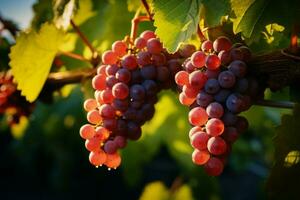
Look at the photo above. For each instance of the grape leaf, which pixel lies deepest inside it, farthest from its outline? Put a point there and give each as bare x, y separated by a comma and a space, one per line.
42, 12
212, 18
31, 58
175, 21
253, 15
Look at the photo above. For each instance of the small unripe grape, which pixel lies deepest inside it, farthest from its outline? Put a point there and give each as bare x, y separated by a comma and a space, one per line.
87, 131
198, 116
198, 59
200, 157
214, 166
214, 127
98, 157
109, 58
90, 104
119, 47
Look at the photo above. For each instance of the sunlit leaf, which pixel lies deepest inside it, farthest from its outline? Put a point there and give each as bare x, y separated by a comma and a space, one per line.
31, 58
155, 190
175, 21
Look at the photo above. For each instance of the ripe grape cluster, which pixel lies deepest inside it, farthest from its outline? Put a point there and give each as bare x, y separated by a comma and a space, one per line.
11, 102
126, 88
216, 87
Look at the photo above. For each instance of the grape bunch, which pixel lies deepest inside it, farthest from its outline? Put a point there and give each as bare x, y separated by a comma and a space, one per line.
12, 104
216, 85
126, 88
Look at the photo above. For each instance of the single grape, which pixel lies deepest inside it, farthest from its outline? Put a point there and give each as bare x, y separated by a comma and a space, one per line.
198, 116
194, 130
99, 82
200, 157
226, 79
189, 67
154, 46
234, 103
207, 46
119, 47
109, 58
123, 75
92, 144
129, 62
238, 68
106, 96
246, 53
224, 57
94, 117
214, 166
216, 146
140, 43
182, 78
212, 62
136, 77
147, 35
198, 59
214, 127
120, 91
137, 92
199, 140
212, 86
107, 111
111, 81
90, 104
203, 99
110, 147
101, 69
111, 69
197, 79
87, 131
113, 160
101, 134
184, 100
97, 158
222, 43
215, 110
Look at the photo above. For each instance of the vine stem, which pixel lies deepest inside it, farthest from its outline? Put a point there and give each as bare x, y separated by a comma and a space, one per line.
147, 8
74, 56
275, 104
200, 34
134, 24
85, 41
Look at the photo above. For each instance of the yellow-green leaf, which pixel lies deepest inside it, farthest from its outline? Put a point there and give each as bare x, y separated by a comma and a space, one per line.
31, 58
175, 21
155, 190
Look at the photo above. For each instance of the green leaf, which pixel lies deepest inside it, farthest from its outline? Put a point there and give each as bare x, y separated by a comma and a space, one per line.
214, 10
63, 12
155, 190
175, 21
31, 58
133, 5
253, 15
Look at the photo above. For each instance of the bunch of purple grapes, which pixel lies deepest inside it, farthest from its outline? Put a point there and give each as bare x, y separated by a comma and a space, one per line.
126, 88
11, 102
216, 87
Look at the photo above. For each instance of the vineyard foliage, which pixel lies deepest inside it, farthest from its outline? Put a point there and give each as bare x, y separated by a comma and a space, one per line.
264, 25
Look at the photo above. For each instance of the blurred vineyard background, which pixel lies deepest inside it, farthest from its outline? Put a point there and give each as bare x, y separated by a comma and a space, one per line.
43, 157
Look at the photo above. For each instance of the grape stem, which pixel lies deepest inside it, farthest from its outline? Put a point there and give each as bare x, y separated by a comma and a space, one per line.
74, 56
95, 55
147, 8
275, 104
200, 34
134, 24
